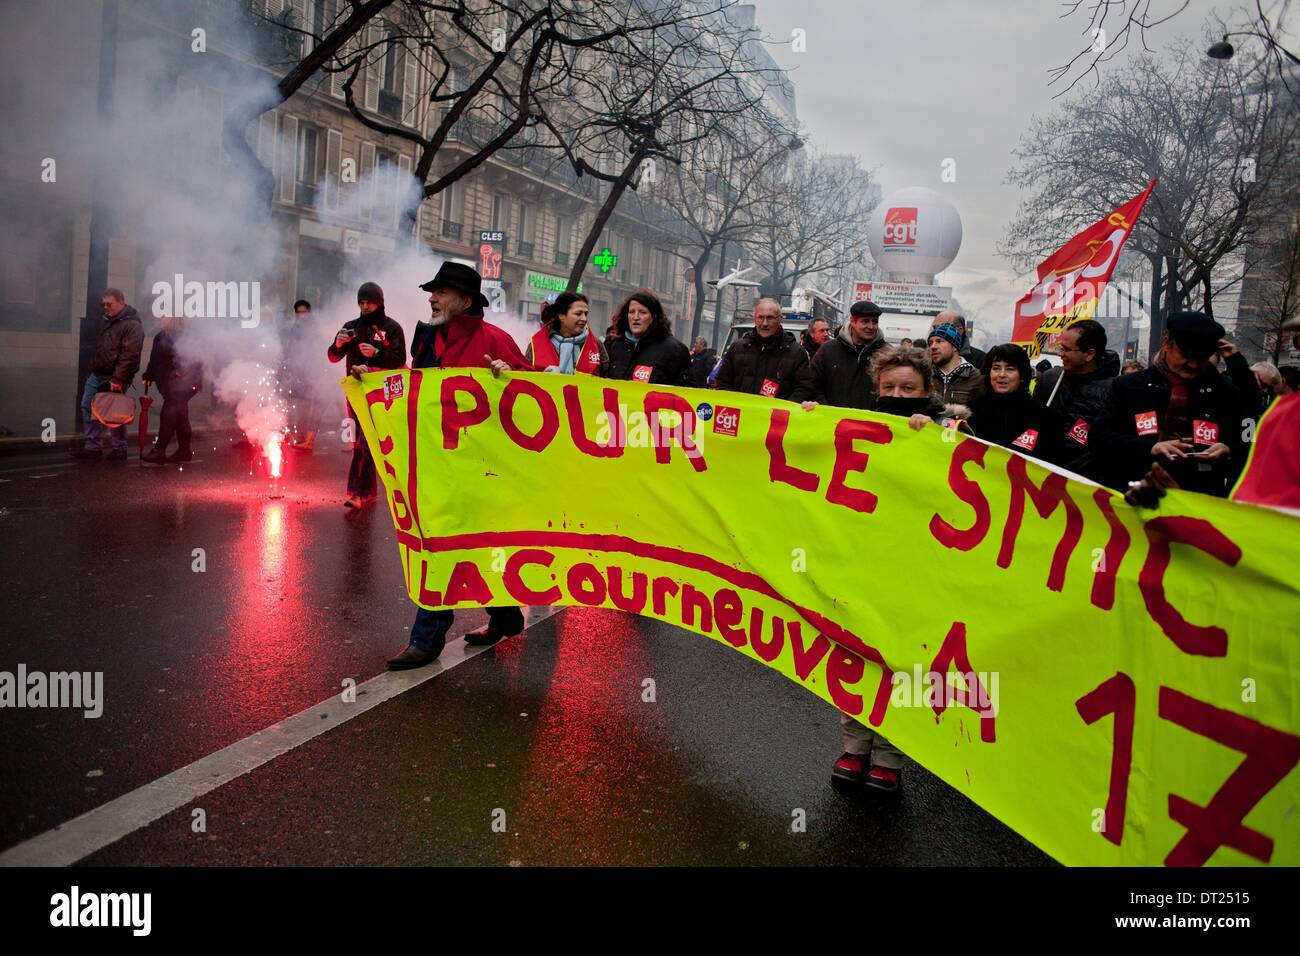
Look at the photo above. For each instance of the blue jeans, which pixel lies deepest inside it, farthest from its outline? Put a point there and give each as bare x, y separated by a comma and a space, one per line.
94, 427
429, 632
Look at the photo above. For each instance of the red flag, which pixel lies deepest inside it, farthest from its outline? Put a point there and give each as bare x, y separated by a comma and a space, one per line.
1071, 279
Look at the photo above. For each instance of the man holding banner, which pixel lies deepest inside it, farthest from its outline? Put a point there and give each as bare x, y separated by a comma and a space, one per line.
457, 336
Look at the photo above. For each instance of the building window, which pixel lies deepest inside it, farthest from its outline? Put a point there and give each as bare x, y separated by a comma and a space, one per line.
390, 97
307, 173
500, 213
385, 184
563, 240
527, 226
451, 208
318, 21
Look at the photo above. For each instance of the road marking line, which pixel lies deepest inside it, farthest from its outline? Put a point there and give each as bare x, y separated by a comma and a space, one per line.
53, 474
110, 822
18, 471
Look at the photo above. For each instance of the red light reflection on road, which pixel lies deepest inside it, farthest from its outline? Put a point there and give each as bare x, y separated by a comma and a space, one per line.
580, 750
268, 620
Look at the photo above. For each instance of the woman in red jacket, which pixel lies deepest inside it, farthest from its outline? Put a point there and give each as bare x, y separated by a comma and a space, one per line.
564, 344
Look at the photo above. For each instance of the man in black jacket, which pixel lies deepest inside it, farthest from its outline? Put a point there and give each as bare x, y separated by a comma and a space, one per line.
1078, 390
703, 359
1180, 412
767, 360
112, 367
815, 336
369, 342
841, 368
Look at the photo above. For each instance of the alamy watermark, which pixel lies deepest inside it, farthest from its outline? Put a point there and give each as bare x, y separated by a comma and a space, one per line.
209, 300
79, 690
976, 690
76, 909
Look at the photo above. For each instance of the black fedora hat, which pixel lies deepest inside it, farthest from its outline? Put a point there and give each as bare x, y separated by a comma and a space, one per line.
462, 278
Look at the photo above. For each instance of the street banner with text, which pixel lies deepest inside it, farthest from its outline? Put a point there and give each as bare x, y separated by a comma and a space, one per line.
1117, 685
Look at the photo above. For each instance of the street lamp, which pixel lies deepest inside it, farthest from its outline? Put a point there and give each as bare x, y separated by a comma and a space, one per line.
1221, 51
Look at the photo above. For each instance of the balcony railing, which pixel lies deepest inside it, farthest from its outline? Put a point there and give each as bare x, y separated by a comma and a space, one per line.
525, 249
451, 230
561, 258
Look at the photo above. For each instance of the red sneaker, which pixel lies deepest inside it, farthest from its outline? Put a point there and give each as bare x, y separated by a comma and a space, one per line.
883, 778
850, 768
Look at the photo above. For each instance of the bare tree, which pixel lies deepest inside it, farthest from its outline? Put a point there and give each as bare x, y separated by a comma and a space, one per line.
1214, 137
487, 72
1113, 23
647, 100
815, 215
715, 193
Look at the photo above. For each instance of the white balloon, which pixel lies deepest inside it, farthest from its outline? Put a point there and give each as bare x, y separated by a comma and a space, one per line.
914, 234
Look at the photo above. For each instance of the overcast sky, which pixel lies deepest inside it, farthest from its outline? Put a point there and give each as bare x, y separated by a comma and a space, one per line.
904, 84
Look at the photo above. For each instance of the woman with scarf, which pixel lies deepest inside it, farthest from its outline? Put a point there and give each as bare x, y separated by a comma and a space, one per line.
370, 342
564, 344
1005, 414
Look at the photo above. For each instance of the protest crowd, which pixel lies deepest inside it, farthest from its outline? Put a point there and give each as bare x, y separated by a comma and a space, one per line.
1187, 420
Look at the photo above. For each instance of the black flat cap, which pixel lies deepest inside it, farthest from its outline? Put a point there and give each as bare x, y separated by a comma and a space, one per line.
1195, 333
866, 308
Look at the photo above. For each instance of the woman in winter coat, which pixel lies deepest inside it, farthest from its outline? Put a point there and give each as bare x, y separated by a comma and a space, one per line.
564, 343
370, 342
1007, 415
178, 379
646, 350
904, 386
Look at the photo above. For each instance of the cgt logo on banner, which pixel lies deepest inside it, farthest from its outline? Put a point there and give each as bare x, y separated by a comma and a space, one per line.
1145, 686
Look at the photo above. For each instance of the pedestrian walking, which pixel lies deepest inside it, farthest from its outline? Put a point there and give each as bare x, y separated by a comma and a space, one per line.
112, 367
1078, 390
903, 384
370, 342
298, 356
179, 378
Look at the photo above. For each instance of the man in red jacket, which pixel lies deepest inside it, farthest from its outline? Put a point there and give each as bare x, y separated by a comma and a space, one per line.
456, 336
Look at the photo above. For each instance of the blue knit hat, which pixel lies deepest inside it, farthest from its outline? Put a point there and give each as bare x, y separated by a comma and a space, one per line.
948, 332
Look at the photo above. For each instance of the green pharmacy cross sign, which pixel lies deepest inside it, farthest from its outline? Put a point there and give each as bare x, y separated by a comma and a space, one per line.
605, 260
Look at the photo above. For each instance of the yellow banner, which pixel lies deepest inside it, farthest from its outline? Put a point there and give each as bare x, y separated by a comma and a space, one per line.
1117, 685
1054, 325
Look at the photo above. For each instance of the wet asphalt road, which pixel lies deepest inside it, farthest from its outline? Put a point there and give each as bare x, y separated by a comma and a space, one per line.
540, 751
